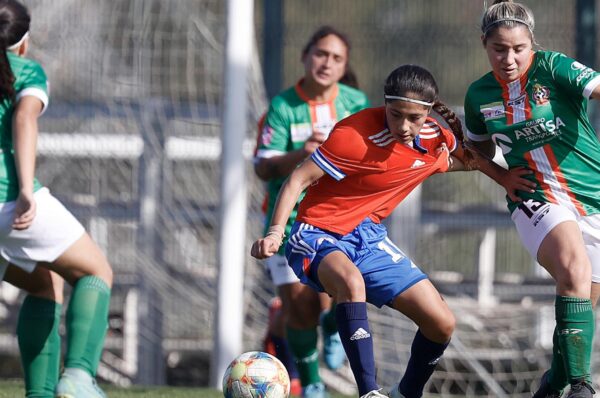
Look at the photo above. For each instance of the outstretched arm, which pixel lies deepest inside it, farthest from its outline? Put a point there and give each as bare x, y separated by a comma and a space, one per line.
472, 158
298, 181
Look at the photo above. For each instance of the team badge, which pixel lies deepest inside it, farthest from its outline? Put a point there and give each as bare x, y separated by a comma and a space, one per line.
267, 135
541, 94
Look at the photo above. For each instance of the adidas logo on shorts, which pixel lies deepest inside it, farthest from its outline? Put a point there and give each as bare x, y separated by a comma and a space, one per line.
360, 334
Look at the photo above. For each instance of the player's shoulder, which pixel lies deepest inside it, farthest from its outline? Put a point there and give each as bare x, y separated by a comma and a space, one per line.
364, 119
22, 64
288, 98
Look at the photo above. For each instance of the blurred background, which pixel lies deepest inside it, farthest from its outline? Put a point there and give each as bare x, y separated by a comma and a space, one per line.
131, 144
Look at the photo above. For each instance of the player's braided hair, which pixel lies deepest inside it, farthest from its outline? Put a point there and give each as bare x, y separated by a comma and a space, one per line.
456, 126
14, 24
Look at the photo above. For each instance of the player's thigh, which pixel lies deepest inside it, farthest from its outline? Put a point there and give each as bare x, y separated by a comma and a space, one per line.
82, 258
424, 305
304, 306
41, 282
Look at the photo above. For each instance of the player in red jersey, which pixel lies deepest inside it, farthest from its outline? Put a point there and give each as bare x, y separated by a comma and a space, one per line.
369, 163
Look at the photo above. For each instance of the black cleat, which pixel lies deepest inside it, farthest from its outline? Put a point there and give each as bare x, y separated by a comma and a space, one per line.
581, 389
545, 391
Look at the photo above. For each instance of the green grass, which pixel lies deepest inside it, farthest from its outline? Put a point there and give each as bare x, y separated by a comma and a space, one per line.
14, 389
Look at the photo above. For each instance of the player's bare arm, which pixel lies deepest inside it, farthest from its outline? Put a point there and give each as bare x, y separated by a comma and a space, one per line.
298, 181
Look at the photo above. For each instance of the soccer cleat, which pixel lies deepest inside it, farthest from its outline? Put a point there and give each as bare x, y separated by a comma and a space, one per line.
315, 390
375, 394
545, 391
333, 350
581, 389
395, 392
77, 383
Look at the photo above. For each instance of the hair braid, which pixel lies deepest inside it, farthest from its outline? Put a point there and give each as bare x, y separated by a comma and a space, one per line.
455, 125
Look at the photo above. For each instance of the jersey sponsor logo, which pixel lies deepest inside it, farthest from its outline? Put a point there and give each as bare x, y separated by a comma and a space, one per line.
494, 110
518, 102
324, 126
563, 332
541, 94
535, 132
584, 71
503, 142
300, 132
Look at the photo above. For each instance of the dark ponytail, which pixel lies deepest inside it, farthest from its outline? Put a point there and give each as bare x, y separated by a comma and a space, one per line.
14, 24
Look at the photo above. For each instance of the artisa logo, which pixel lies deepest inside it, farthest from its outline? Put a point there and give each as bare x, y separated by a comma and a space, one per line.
535, 131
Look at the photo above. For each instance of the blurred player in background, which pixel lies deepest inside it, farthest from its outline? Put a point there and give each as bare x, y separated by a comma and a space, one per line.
369, 164
297, 122
533, 105
40, 239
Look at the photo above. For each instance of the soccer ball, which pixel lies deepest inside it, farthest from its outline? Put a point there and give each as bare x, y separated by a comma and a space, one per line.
256, 374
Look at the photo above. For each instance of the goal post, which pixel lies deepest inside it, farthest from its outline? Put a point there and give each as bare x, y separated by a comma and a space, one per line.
232, 216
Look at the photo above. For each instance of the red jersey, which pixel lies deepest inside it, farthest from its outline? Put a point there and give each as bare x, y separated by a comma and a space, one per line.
369, 172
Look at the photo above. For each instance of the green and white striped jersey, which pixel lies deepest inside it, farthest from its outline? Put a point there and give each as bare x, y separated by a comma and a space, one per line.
540, 122
290, 121
30, 80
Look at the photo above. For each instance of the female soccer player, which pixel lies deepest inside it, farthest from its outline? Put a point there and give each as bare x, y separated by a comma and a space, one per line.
40, 239
533, 106
297, 122
369, 164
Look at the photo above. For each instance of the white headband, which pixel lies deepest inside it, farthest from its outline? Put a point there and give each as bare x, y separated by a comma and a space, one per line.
394, 97
17, 44
488, 27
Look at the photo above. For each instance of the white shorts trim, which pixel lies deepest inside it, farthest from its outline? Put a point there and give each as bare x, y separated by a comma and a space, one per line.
53, 231
537, 219
281, 273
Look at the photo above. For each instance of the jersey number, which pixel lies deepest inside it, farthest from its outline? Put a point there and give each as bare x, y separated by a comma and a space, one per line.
392, 250
530, 206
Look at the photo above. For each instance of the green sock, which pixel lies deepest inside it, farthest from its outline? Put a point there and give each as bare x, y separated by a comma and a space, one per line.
87, 322
557, 376
39, 344
303, 343
575, 326
328, 321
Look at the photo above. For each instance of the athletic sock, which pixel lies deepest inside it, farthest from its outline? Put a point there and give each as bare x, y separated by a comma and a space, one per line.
87, 322
353, 327
575, 325
303, 344
284, 354
424, 356
39, 344
557, 376
328, 321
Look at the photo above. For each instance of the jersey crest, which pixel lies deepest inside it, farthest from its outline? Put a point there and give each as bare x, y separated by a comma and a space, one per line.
541, 94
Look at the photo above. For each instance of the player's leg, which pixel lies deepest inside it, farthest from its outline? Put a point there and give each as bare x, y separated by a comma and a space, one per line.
86, 268
302, 336
423, 304
344, 282
563, 254
333, 350
552, 235
37, 328
276, 338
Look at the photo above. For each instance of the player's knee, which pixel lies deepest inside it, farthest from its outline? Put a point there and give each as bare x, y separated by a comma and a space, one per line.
351, 289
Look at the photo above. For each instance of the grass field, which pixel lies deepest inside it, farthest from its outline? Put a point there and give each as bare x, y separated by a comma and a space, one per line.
14, 389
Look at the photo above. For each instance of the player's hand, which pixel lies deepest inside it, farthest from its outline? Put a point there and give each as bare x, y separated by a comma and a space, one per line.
265, 247
25, 210
514, 180
443, 154
314, 141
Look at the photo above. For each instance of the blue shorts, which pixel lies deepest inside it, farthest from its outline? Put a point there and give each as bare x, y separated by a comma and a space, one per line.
387, 271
